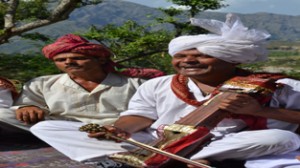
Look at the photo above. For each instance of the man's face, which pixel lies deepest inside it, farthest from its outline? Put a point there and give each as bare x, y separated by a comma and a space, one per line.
73, 62
192, 63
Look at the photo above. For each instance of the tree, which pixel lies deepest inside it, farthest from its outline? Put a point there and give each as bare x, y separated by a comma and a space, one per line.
146, 45
19, 16
196, 6
133, 44
189, 9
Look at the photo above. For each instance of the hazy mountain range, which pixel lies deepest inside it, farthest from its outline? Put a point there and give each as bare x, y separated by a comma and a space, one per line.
282, 27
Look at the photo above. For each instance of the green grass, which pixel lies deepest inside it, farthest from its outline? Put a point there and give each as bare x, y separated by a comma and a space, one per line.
287, 62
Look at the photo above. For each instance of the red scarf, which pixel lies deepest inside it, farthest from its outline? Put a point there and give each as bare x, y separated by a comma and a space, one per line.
181, 90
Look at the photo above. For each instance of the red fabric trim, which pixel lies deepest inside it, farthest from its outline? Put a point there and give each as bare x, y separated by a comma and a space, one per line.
181, 90
178, 146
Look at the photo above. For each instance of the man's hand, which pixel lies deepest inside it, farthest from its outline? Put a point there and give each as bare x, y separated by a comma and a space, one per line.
110, 130
30, 114
241, 104
105, 132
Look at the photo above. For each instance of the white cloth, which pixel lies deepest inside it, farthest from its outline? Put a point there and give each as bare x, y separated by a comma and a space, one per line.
155, 99
250, 144
65, 137
287, 160
231, 41
6, 99
64, 99
275, 161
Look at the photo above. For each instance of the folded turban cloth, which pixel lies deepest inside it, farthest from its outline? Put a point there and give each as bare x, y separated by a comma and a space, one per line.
230, 41
71, 43
75, 44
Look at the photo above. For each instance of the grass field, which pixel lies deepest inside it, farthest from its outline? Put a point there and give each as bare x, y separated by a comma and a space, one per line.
284, 57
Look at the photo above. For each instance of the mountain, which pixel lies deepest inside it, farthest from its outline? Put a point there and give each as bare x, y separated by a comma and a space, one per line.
282, 27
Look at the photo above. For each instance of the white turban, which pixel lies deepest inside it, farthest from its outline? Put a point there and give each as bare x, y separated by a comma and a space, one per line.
231, 41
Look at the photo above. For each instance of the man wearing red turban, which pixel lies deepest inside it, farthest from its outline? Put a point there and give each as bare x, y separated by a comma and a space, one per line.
76, 44
89, 90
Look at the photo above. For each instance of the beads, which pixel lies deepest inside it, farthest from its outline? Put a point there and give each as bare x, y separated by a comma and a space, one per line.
90, 128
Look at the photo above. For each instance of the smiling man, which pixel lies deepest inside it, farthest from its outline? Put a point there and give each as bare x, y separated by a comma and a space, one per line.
88, 90
257, 125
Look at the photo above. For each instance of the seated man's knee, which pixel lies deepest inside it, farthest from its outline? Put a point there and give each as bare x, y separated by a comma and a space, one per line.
275, 138
39, 126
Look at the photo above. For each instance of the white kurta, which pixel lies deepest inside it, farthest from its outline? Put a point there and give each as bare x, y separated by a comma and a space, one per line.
64, 99
155, 99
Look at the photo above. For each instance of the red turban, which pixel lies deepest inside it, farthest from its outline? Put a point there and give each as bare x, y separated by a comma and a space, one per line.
75, 44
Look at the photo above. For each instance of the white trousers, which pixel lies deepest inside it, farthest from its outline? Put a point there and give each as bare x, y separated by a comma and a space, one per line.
9, 122
288, 160
250, 144
65, 137
261, 149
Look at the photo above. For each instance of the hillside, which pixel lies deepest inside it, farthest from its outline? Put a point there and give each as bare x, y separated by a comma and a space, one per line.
282, 27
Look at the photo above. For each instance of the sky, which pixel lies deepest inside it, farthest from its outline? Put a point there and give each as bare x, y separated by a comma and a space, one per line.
285, 7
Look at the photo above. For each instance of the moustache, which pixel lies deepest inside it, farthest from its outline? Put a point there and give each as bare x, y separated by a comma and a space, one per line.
72, 66
194, 65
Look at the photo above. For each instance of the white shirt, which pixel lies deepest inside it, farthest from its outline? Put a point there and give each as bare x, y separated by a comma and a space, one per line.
60, 96
155, 99
6, 99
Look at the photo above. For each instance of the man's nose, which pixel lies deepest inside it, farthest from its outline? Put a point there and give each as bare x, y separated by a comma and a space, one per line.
69, 60
190, 58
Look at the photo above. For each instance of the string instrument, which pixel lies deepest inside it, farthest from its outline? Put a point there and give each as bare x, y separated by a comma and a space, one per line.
192, 132
179, 139
136, 162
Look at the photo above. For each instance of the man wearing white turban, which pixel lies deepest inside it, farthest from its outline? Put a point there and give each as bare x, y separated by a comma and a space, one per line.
231, 41
257, 125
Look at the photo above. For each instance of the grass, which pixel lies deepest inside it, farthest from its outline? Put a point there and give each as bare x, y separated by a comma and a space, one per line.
287, 62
